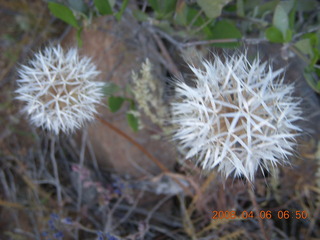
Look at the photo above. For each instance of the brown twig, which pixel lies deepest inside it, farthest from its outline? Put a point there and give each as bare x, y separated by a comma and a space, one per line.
202, 190
171, 65
135, 143
8, 204
181, 45
257, 211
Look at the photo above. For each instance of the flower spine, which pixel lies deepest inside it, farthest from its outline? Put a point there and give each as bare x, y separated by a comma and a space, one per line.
59, 90
238, 117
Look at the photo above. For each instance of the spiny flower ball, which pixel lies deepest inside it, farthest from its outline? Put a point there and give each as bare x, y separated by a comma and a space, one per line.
238, 117
59, 90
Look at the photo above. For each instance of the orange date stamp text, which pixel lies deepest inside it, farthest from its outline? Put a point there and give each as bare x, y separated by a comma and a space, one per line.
268, 214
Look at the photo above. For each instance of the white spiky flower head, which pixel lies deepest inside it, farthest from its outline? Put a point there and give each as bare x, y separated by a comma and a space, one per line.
59, 89
238, 117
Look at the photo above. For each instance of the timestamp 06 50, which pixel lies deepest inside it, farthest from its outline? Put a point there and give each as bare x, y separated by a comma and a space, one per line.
281, 214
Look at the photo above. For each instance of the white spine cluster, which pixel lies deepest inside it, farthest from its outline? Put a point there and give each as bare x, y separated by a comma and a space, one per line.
238, 117
59, 90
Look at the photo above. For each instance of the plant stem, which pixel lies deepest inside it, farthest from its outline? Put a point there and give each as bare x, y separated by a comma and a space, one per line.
171, 65
257, 210
55, 170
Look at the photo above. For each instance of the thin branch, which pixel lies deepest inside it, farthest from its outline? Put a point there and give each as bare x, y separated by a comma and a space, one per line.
313, 29
135, 143
55, 170
207, 42
129, 211
261, 22
94, 160
158, 205
81, 161
257, 211
170, 64
194, 19
181, 45
204, 187
11, 205
201, 27
108, 225
160, 217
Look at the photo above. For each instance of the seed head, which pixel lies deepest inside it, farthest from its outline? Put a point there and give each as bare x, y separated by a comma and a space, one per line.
238, 117
59, 90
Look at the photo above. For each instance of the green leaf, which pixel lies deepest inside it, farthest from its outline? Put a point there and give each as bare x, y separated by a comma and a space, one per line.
140, 16
62, 12
166, 26
288, 36
133, 122
281, 19
310, 77
181, 15
123, 7
115, 103
287, 5
197, 21
314, 39
240, 8
78, 37
163, 8
211, 8
317, 39
292, 16
273, 34
110, 89
132, 104
262, 8
112, 3
78, 5
103, 7
225, 29
305, 47
154, 5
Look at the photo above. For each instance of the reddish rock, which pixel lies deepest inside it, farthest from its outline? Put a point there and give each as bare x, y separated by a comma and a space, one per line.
118, 49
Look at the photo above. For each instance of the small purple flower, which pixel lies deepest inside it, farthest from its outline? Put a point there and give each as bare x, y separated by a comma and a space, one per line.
58, 235
110, 237
51, 224
100, 235
118, 186
54, 230
67, 220
54, 216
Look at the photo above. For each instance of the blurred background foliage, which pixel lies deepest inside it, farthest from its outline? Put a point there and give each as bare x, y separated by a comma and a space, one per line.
223, 23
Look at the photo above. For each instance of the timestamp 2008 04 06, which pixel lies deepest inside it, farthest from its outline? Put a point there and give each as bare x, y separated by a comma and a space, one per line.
268, 214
